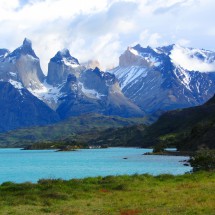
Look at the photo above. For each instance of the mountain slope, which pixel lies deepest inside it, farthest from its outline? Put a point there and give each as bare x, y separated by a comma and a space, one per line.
128, 136
147, 82
95, 92
188, 129
166, 78
69, 89
19, 108
79, 128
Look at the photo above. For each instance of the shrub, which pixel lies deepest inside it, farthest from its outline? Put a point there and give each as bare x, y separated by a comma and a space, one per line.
160, 147
203, 160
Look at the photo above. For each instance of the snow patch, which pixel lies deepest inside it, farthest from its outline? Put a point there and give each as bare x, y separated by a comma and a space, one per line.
16, 84
133, 51
4, 55
67, 63
130, 74
153, 61
90, 93
64, 51
198, 87
13, 74
183, 76
186, 58
47, 92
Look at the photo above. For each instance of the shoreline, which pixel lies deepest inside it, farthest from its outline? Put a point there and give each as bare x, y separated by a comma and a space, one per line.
171, 153
100, 177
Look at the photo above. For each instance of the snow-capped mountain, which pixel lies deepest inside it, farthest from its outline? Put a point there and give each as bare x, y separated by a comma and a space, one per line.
94, 91
69, 88
60, 66
76, 89
21, 67
147, 80
167, 77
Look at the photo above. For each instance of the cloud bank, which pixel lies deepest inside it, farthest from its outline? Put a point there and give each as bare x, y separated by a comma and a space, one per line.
102, 29
186, 59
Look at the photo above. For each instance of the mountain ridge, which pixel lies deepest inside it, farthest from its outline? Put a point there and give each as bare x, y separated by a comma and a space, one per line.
170, 83
148, 81
65, 97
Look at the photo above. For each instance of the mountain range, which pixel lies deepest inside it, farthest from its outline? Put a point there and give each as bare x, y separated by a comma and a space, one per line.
166, 78
147, 82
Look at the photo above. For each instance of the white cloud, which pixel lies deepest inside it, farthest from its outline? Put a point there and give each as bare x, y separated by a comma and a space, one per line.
102, 29
152, 39
183, 42
184, 58
7, 8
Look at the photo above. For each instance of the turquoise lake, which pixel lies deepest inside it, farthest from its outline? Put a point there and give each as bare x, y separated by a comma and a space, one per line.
21, 165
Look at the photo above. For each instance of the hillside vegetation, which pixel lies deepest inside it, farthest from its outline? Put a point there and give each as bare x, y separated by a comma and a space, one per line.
187, 129
126, 136
79, 129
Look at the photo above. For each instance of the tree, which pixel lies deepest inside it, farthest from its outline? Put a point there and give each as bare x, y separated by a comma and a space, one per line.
160, 147
203, 160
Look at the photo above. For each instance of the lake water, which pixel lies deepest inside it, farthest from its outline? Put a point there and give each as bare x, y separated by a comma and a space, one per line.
20, 165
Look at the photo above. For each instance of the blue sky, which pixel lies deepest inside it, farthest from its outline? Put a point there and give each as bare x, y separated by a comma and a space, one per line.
23, 2
102, 29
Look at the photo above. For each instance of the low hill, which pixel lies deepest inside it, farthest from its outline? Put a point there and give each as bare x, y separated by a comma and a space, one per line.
129, 136
187, 129
81, 128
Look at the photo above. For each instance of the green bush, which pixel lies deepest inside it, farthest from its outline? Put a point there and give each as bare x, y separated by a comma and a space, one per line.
160, 147
203, 160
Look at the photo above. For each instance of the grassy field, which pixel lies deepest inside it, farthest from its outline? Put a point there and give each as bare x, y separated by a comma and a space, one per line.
123, 195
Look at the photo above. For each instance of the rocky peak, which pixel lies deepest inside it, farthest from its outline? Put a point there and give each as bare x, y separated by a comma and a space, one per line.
95, 79
22, 66
131, 57
144, 57
96, 71
25, 49
110, 79
62, 65
146, 50
4, 53
166, 49
64, 57
27, 43
70, 88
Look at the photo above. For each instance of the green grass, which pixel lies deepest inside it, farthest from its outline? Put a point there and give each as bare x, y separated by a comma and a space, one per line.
125, 195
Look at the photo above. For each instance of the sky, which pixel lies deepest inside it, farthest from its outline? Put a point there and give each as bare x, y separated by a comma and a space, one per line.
103, 29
